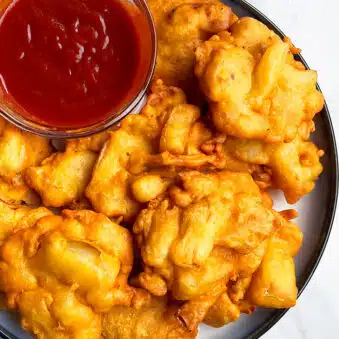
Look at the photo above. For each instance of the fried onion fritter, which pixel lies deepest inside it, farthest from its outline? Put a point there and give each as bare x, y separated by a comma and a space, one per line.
16, 191
224, 209
222, 312
295, 166
176, 131
205, 239
247, 264
265, 277
192, 237
255, 87
181, 140
64, 270
19, 150
155, 321
161, 8
182, 27
58, 315
16, 217
149, 186
265, 102
62, 178
274, 284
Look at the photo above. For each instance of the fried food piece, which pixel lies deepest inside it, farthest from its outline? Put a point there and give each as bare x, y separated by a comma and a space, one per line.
253, 35
176, 131
64, 270
57, 316
182, 27
157, 320
199, 286
274, 283
191, 282
255, 87
295, 165
271, 129
257, 283
16, 217
192, 238
229, 162
206, 239
193, 312
18, 150
222, 312
223, 209
230, 304
225, 311
161, 8
180, 142
62, 178
149, 186
109, 188
16, 191
247, 264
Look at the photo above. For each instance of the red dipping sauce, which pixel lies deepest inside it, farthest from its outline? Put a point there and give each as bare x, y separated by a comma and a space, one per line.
72, 63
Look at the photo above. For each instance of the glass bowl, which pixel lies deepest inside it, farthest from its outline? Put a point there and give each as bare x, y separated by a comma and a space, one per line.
10, 113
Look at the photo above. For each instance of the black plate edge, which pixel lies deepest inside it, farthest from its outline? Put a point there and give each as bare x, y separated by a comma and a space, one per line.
329, 219
333, 193
4, 334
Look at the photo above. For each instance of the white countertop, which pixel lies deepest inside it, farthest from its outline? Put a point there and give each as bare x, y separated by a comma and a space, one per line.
313, 26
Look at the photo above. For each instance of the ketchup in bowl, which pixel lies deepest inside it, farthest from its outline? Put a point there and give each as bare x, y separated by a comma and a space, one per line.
72, 63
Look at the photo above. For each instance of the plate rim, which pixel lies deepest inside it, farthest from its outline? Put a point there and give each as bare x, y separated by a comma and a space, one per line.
331, 211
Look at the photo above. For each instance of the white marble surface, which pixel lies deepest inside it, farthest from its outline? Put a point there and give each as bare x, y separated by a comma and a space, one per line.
314, 27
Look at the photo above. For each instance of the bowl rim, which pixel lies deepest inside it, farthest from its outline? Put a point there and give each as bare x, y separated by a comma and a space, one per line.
329, 219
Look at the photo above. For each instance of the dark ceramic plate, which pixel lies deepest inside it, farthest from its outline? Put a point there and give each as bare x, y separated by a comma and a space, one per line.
316, 217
